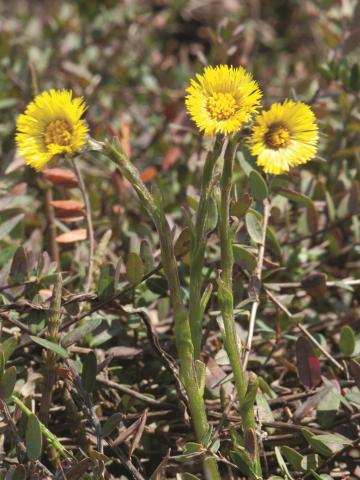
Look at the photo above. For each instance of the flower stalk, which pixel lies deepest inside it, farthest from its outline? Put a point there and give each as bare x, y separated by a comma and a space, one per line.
225, 295
198, 246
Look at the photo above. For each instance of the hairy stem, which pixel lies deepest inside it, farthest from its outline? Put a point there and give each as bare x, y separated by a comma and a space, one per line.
198, 247
226, 301
89, 225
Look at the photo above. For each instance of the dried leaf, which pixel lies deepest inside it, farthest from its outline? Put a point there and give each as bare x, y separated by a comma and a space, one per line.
72, 205
61, 176
72, 236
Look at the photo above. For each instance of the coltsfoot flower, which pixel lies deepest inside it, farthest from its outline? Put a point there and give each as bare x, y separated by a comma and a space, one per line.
284, 136
222, 99
51, 126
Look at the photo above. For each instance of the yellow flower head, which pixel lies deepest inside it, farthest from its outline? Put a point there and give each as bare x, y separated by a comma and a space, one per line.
51, 126
284, 136
222, 99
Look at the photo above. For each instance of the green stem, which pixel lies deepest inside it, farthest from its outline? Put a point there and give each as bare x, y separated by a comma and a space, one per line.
226, 294
198, 247
51, 438
184, 343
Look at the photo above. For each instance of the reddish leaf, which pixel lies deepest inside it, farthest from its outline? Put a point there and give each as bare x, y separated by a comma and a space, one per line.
148, 174
308, 363
73, 205
69, 216
61, 176
171, 157
72, 236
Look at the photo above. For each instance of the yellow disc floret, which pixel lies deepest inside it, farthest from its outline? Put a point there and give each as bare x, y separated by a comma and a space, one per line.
58, 132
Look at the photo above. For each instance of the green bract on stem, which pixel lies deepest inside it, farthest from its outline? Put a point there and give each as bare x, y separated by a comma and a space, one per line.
245, 390
191, 372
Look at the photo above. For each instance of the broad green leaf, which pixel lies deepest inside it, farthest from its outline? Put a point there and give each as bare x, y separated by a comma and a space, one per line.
309, 462
294, 196
7, 382
264, 411
347, 340
89, 371
8, 347
54, 347
183, 243
134, 268
33, 438
293, 457
105, 285
258, 186
281, 463
244, 257
328, 408
253, 227
7, 226
80, 332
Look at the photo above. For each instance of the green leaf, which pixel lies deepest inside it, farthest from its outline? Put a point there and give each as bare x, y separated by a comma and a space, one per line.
293, 457
54, 347
183, 243
347, 340
273, 242
253, 227
134, 268
7, 382
258, 186
89, 372
264, 410
294, 196
281, 463
241, 206
105, 285
310, 461
80, 332
328, 407
8, 347
33, 438
111, 423
244, 257
190, 476
7, 226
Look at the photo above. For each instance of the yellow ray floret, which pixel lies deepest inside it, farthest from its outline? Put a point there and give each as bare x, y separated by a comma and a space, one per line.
222, 99
51, 126
284, 136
